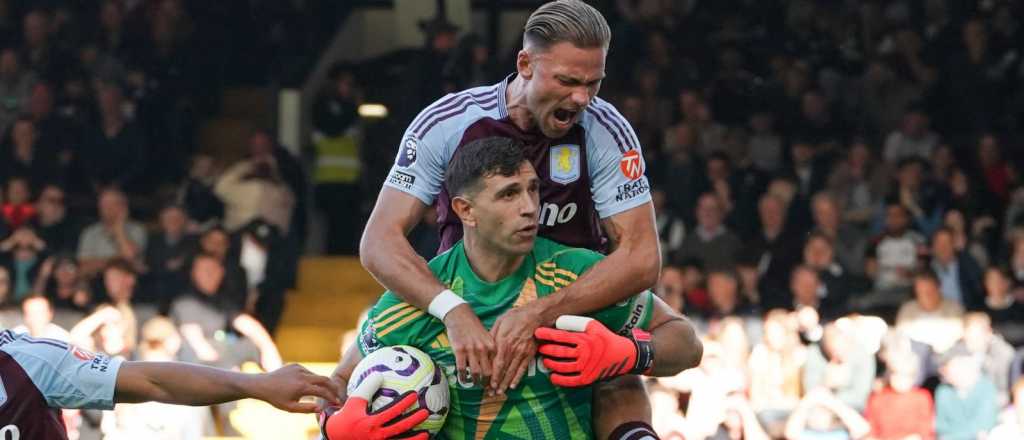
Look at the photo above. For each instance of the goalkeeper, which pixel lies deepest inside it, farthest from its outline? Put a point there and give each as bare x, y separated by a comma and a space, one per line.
501, 264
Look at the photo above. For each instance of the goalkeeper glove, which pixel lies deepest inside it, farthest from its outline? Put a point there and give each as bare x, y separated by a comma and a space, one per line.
581, 351
354, 422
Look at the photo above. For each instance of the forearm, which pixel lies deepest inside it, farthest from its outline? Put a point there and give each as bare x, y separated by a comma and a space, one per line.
676, 348
855, 424
624, 273
796, 423
180, 384
252, 329
392, 261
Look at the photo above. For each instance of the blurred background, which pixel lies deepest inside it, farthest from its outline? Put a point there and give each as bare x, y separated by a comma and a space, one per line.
838, 187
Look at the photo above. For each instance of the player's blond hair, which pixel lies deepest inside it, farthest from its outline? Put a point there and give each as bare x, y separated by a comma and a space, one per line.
571, 21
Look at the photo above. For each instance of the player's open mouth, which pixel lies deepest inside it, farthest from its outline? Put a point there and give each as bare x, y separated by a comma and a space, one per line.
564, 117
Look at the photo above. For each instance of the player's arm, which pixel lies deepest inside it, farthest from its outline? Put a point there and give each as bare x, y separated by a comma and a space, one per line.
582, 350
187, 384
385, 252
632, 267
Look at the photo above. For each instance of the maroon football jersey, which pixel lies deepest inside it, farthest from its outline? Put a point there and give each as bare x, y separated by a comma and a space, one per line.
593, 172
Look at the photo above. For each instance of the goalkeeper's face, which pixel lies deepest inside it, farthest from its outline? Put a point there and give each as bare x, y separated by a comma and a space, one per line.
502, 215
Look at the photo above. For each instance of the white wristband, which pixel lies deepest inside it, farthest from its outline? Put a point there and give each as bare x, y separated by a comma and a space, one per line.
443, 303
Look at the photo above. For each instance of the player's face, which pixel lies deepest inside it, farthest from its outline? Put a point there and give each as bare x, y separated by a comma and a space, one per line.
506, 210
561, 83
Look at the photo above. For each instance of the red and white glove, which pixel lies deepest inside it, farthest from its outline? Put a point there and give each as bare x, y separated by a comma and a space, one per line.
354, 422
581, 351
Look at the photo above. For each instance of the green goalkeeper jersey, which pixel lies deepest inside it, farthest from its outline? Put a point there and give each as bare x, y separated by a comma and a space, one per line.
536, 409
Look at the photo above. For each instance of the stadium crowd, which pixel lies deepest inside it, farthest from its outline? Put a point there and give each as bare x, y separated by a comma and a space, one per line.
114, 233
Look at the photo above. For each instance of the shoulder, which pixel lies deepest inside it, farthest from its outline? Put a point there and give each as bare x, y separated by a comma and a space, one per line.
563, 262
455, 111
607, 129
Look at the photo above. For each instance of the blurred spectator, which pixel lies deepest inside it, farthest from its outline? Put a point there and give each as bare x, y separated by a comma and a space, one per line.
254, 189
930, 318
40, 51
196, 192
922, 199
17, 209
816, 124
775, 388
882, 95
262, 257
52, 223
964, 240
765, 143
806, 168
115, 235
1002, 306
901, 409
821, 415
859, 184
841, 365
966, 401
9, 314
959, 275
167, 250
724, 299
115, 150
671, 288
711, 242
216, 243
710, 387
37, 315
808, 290
1012, 426
21, 253
110, 329
846, 243
15, 86
337, 137
990, 350
778, 246
671, 228
473, 65
59, 280
914, 139
204, 316
892, 256
24, 156
994, 173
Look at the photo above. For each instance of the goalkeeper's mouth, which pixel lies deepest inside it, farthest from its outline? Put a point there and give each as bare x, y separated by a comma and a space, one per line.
528, 230
564, 117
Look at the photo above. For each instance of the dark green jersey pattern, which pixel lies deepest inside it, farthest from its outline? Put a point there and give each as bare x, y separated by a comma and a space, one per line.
536, 409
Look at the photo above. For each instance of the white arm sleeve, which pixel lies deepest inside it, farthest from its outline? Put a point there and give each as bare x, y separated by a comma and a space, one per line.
615, 162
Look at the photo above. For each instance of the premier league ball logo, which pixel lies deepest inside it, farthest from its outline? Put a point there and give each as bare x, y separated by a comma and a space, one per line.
407, 151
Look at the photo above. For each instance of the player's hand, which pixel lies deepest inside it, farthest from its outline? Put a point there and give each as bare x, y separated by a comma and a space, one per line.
472, 345
582, 351
516, 348
354, 422
285, 387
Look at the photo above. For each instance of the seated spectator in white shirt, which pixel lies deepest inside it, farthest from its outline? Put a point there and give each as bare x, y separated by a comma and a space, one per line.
930, 318
37, 315
115, 235
892, 256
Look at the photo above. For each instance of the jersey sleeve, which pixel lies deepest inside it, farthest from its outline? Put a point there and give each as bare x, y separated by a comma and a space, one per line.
421, 161
621, 317
615, 162
394, 322
67, 376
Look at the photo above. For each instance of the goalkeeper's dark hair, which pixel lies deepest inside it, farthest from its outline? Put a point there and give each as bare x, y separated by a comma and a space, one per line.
480, 159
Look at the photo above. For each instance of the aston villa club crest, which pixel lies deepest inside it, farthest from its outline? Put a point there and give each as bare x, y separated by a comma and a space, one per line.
564, 165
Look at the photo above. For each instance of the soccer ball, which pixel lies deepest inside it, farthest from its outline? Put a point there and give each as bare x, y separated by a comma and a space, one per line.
406, 369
